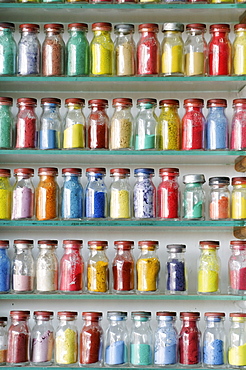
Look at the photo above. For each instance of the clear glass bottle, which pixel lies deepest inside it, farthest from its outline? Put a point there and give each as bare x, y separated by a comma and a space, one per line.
141, 339
5, 194
71, 194
190, 339
238, 198
26, 130
74, 124
98, 124
98, 267
8, 49
47, 194
66, 339
195, 50
120, 194
23, 268
78, 50
145, 125
5, 268
53, 50
237, 268
238, 129
121, 126
96, 196
6, 122
123, 267
172, 50
124, 50
23, 194
194, 197
168, 195
91, 340
144, 193
193, 125
176, 277
208, 281
148, 50
3, 340
239, 50
50, 124
237, 340
29, 53
219, 198
217, 125
47, 267
219, 51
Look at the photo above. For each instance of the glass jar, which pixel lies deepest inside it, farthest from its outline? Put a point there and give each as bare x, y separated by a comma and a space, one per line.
121, 128
219, 51
168, 196
195, 50
47, 267
6, 122
144, 193
66, 339
8, 49
97, 124
91, 339
18, 339
168, 126
5, 194
5, 268
23, 268
98, 267
78, 50
166, 339
123, 267
238, 130
116, 339
172, 50
189, 339
145, 125
141, 339
47, 194
148, 50
50, 124
193, 125
238, 201
53, 50
26, 131
96, 196
23, 194
239, 49
71, 194
208, 268
217, 125
237, 267
148, 267
237, 340
214, 340
219, 198
3, 340
72, 267
74, 124
101, 50
124, 50
120, 202
176, 278
194, 197
29, 53
42, 339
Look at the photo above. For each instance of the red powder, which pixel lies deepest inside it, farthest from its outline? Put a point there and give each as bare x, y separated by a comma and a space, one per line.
219, 209
168, 199
18, 347
97, 135
238, 133
71, 272
123, 274
238, 279
25, 133
90, 344
189, 345
193, 129
148, 58
219, 55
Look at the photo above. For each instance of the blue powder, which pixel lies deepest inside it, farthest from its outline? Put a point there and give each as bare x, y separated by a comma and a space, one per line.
166, 344
176, 276
4, 271
140, 354
71, 198
144, 199
216, 129
48, 139
28, 56
95, 204
166, 355
116, 353
213, 352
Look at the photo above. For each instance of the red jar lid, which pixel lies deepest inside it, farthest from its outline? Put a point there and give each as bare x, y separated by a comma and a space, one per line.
4, 172
27, 101
169, 171
214, 314
165, 102
148, 244
24, 171
98, 102
124, 244
43, 314
79, 26
194, 103
166, 313
52, 171
23, 241
101, 170
75, 101
5, 100
238, 180
151, 27
239, 26
196, 26
189, 315
51, 101
237, 314
119, 171
147, 100
122, 102
101, 26
73, 243
92, 316
209, 244
29, 27
238, 244
239, 102
75, 171
52, 243
4, 244
222, 27
216, 103
20, 314
67, 314
54, 27
97, 244
9, 25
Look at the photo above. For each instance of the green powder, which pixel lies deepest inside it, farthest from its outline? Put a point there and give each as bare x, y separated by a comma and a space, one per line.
141, 354
78, 54
6, 120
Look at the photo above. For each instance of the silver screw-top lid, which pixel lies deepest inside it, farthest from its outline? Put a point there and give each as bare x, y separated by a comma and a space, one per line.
173, 27
191, 179
176, 248
124, 28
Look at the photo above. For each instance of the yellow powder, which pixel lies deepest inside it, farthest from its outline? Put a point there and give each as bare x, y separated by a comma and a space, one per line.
97, 277
74, 137
66, 347
237, 355
5, 204
147, 274
120, 204
3, 355
208, 281
194, 64
120, 133
124, 59
168, 130
238, 206
172, 60
102, 55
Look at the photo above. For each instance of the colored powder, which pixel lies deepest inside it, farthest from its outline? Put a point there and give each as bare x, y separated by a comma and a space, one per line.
144, 199
219, 209
238, 206
6, 121
46, 199
166, 355
238, 133
194, 64
124, 59
95, 204
189, 346
123, 275
28, 55
46, 274
168, 129
145, 142
147, 274
120, 204
172, 60
90, 345
23, 203
78, 54
97, 132
168, 199
22, 283
115, 354
213, 352
5, 203
140, 354
238, 279
42, 347
3, 356
193, 130
71, 272
208, 281
53, 57
237, 355
176, 276
239, 54
71, 198
216, 129
219, 56
121, 133
5, 271
18, 347
148, 54
97, 277
7, 53
48, 139
74, 137
66, 347
166, 344
102, 55
26, 133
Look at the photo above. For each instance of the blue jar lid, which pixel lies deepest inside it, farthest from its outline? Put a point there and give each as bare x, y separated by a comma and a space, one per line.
147, 171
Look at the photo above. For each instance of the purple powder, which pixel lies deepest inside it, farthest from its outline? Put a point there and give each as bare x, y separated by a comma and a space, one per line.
23, 201
42, 347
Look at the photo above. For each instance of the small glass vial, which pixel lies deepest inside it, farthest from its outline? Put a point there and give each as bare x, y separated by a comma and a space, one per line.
219, 198
238, 199
72, 267
116, 339
144, 194
78, 50
66, 339
195, 50
193, 125
168, 195
96, 196
47, 193
208, 268
6, 122
176, 278
237, 340
23, 194
148, 50
26, 131
23, 268
237, 268
239, 49
124, 50
71, 194
18, 353
165, 339
8, 49
172, 50
238, 130
3, 340
194, 197
98, 124
50, 124
5, 268
74, 124
53, 50
91, 340
98, 267
47, 267
120, 202
145, 125
123, 267
5, 194
29, 53
148, 267
141, 339
219, 51
189, 339
217, 125
121, 126
42, 339
214, 340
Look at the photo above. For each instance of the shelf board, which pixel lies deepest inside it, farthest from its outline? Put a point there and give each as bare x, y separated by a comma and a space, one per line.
96, 368
122, 6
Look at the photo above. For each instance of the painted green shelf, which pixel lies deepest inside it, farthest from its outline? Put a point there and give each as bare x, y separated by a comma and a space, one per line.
94, 368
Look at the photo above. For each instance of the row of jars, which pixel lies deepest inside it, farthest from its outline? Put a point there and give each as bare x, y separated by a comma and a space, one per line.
126, 1
142, 346
103, 57
122, 132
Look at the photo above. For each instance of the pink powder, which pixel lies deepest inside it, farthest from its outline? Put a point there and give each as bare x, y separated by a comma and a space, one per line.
238, 279
22, 283
23, 201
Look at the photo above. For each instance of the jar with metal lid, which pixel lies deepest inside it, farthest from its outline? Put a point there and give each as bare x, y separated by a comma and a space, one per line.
124, 50
53, 50
168, 195
42, 339
208, 268
193, 125
47, 267
18, 353
219, 198
237, 340
3, 340
123, 267
239, 49
72, 267
144, 193
98, 267
238, 199
145, 125
50, 124
98, 124
29, 53
23, 194
8, 49
47, 194
74, 124
176, 277
121, 126
190, 339
6, 122
238, 129
5, 194
120, 193
141, 339
23, 267
78, 50
166, 339
5, 268
172, 50
148, 50
26, 130
219, 51
102, 50
71, 194
96, 195
195, 50
217, 125
194, 197
66, 339
237, 268
91, 340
